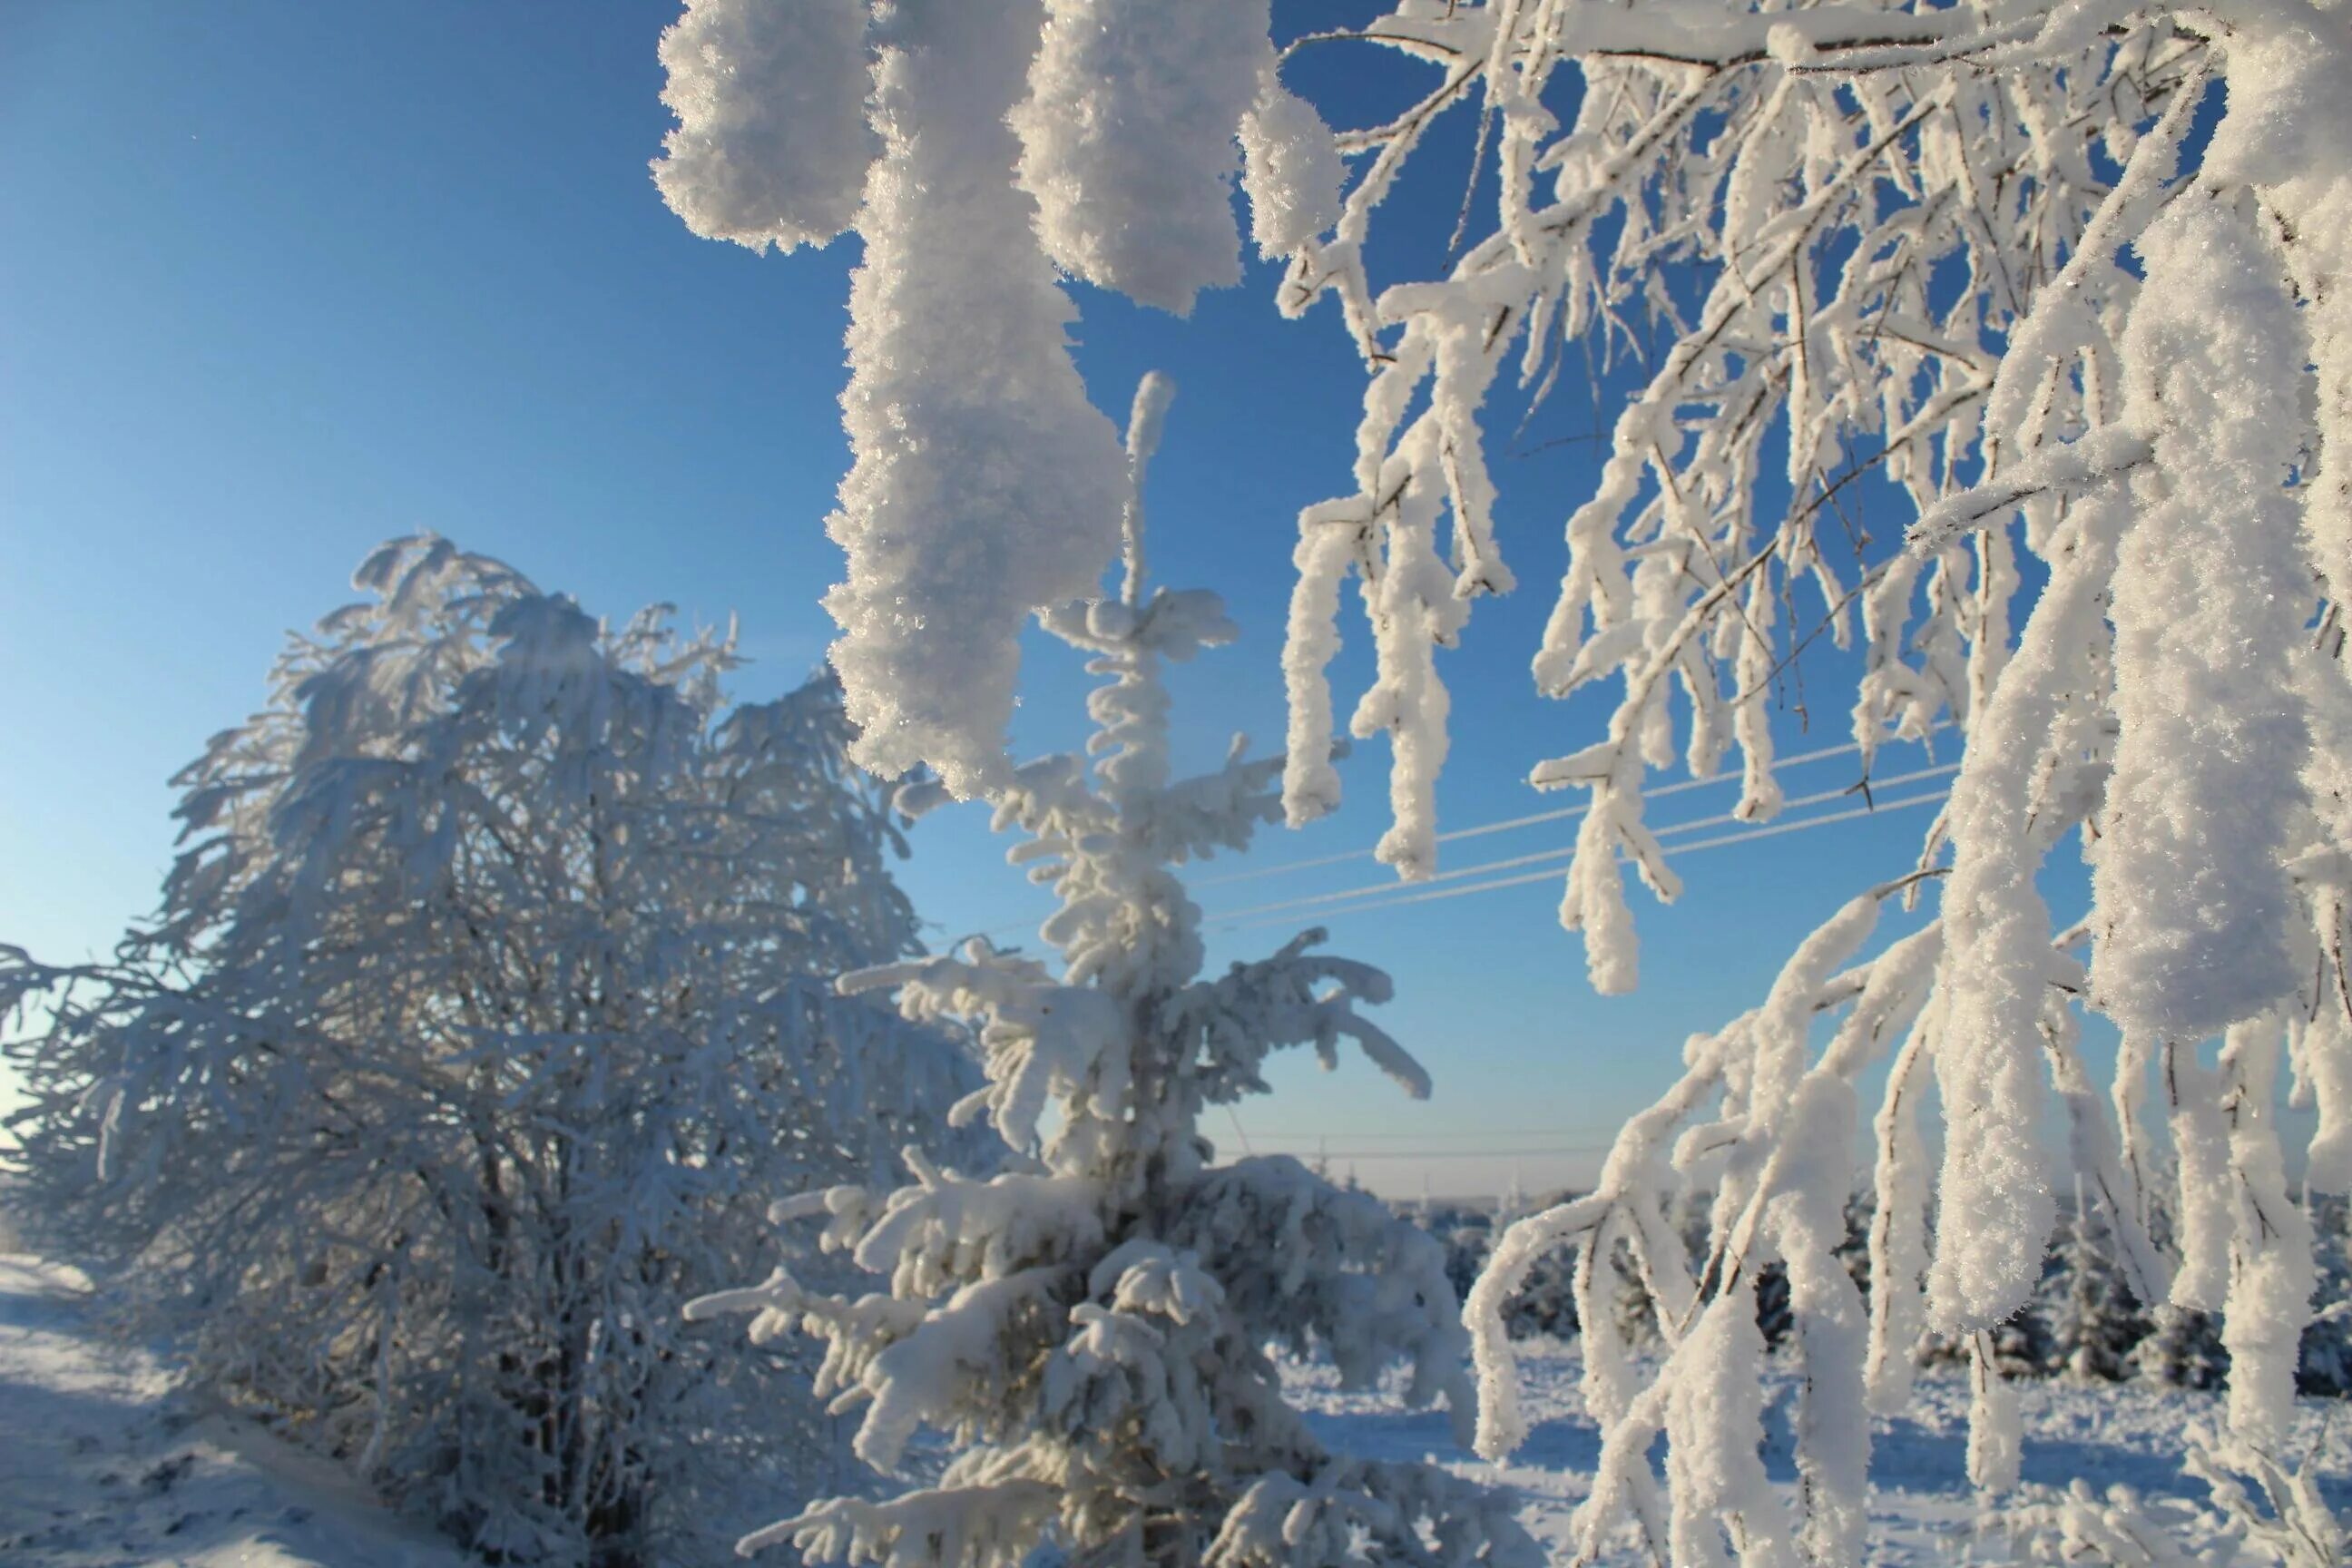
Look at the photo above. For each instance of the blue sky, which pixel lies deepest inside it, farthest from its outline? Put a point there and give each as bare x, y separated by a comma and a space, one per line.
279, 281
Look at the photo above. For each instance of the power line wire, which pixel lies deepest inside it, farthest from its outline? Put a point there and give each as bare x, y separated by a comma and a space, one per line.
1772, 830
1558, 814
1544, 856
1604, 1134
1442, 1153
1561, 814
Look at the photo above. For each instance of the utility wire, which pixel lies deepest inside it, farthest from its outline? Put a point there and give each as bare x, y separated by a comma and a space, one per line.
1772, 830
1604, 1134
1544, 856
1328, 1154
1480, 830
1558, 814
1571, 1143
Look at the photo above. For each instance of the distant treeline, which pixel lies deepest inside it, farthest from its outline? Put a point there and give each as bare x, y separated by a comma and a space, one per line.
2084, 1322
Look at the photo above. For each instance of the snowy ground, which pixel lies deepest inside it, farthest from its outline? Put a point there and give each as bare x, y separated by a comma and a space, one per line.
104, 1466
1922, 1511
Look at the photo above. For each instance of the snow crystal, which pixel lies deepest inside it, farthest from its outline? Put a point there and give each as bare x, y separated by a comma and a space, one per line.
1290, 170
1126, 140
771, 143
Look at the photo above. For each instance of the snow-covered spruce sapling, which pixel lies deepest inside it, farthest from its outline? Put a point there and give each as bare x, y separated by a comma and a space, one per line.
488, 1008
1093, 1332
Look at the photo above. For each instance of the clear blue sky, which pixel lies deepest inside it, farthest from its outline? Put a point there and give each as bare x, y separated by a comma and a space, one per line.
279, 281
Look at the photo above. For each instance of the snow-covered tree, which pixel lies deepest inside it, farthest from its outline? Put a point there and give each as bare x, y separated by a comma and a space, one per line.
1958, 248
2182, 1348
2326, 1366
2069, 280
1545, 1305
1546, 1302
487, 1007
2093, 1322
1094, 1328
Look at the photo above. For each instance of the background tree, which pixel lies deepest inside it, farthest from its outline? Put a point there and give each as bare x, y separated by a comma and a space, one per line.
2326, 1365
1094, 1328
2093, 1322
481, 1022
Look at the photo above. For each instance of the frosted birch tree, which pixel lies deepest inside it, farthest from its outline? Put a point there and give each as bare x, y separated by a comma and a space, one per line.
2071, 283
1955, 253
487, 1007
1094, 1327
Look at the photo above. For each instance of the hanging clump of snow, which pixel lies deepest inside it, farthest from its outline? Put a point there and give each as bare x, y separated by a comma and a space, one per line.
1094, 1327
976, 146
983, 476
1126, 140
2210, 597
771, 143
985, 486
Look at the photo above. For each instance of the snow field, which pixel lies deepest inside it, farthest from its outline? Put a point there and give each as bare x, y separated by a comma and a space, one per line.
1922, 1511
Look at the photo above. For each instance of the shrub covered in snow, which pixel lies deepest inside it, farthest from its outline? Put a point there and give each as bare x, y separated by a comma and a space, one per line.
487, 1010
